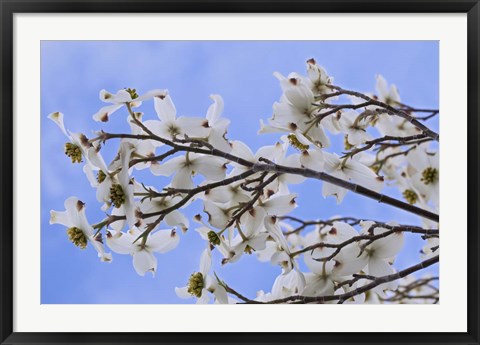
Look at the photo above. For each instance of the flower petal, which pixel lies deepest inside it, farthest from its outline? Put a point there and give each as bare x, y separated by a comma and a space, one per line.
103, 114
183, 292
57, 117
205, 262
169, 167
121, 242
165, 108
183, 179
163, 241
216, 109
193, 126
312, 159
388, 247
157, 93
144, 261
280, 205
176, 218
363, 175
212, 168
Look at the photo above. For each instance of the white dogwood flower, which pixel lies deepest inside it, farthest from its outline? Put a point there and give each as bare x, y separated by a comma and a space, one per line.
289, 283
170, 126
144, 260
252, 236
325, 273
348, 169
188, 165
201, 284
294, 111
354, 127
79, 230
319, 77
173, 218
387, 95
121, 98
424, 164
233, 193
78, 146
380, 253
218, 125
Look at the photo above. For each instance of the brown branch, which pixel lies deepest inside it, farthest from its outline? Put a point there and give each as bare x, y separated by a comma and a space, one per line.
370, 237
380, 163
280, 169
258, 192
356, 277
390, 110
401, 140
433, 112
305, 224
328, 95
158, 158
403, 291
272, 167
319, 117
239, 295
345, 296
192, 192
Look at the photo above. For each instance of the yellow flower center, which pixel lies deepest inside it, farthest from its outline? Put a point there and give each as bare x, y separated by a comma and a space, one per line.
248, 250
429, 175
213, 238
77, 236
347, 145
133, 93
293, 140
101, 176
74, 152
410, 196
195, 284
117, 195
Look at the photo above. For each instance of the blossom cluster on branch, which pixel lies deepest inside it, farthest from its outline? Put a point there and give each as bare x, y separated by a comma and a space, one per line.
246, 197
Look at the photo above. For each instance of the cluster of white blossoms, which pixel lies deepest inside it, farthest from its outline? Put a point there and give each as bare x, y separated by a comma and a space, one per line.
247, 202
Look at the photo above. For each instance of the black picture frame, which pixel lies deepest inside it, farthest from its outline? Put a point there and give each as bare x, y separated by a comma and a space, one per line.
9, 7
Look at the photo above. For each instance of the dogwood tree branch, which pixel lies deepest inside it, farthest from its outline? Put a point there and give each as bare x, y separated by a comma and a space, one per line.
322, 223
275, 168
258, 192
404, 292
407, 108
390, 110
370, 238
280, 169
385, 140
345, 296
319, 175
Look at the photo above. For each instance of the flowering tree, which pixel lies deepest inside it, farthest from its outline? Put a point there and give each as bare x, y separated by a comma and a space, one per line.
248, 207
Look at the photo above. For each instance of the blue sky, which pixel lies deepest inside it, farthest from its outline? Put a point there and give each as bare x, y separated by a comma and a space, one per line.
72, 74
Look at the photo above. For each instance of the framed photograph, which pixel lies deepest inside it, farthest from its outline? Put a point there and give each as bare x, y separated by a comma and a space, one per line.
239, 172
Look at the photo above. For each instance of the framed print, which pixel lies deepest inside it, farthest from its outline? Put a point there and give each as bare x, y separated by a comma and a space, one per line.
239, 172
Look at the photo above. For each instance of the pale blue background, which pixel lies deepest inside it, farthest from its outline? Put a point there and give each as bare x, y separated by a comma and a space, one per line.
74, 72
